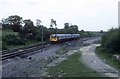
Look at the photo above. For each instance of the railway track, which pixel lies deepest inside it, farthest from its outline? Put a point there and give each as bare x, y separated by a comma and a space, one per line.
21, 51
25, 50
7, 54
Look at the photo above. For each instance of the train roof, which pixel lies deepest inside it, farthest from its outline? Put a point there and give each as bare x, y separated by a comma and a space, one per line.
63, 34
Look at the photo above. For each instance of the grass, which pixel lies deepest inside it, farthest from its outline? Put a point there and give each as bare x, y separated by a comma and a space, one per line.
107, 57
72, 67
3, 33
30, 42
7, 32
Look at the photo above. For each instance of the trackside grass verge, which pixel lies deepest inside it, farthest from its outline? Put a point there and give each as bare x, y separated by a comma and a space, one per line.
4, 33
107, 57
72, 67
28, 43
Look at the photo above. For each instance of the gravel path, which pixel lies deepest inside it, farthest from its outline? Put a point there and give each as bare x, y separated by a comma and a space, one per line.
90, 59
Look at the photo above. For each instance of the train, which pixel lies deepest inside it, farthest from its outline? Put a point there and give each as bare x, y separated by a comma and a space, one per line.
58, 38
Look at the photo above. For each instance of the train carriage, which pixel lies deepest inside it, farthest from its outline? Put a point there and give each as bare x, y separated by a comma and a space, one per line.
57, 38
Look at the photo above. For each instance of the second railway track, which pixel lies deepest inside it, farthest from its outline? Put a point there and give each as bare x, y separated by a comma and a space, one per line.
21, 51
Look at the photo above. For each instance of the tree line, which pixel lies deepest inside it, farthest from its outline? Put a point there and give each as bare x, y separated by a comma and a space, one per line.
27, 30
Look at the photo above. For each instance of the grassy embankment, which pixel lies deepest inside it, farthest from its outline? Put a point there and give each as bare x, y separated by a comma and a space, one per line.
107, 57
72, 67
10, 32
30, 42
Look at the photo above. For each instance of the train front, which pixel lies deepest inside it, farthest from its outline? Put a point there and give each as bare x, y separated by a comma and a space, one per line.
53, 38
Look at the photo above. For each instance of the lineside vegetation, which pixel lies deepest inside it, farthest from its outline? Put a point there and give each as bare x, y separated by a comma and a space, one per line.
72, 67
110, 47
17, 32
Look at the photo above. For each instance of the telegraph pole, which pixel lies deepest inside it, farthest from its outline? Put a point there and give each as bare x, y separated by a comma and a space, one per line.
42, 40
39, 24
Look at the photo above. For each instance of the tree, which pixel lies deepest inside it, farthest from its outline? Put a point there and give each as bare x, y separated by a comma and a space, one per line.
29, 30
101, 31
53, 22
51, 29
38, 23
110, 41
5, 24
119, 33
73, 29
66, 26
14, 22
82, 31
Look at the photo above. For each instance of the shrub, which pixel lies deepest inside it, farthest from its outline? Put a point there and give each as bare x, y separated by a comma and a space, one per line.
4, 47
13, 40
110, 41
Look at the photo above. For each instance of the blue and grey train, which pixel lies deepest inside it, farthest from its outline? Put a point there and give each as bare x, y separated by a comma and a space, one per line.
57, 38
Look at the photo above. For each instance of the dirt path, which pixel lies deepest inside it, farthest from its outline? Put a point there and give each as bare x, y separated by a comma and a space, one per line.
90, 59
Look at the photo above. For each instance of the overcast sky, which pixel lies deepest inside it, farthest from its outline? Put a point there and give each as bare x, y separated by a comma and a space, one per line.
89, 15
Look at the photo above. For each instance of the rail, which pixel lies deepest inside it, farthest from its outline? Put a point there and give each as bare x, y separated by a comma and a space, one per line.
20, 51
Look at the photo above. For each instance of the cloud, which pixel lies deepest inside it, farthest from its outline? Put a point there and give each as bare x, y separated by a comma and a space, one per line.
82, 12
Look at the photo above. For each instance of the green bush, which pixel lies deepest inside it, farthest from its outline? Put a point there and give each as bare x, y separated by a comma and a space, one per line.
4, 47
13, 40
110, 41
108, 56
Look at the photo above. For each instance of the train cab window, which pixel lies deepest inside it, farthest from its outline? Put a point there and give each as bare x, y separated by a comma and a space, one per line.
55, 37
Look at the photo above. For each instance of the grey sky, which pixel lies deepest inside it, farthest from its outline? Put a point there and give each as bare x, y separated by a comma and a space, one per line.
87, 14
